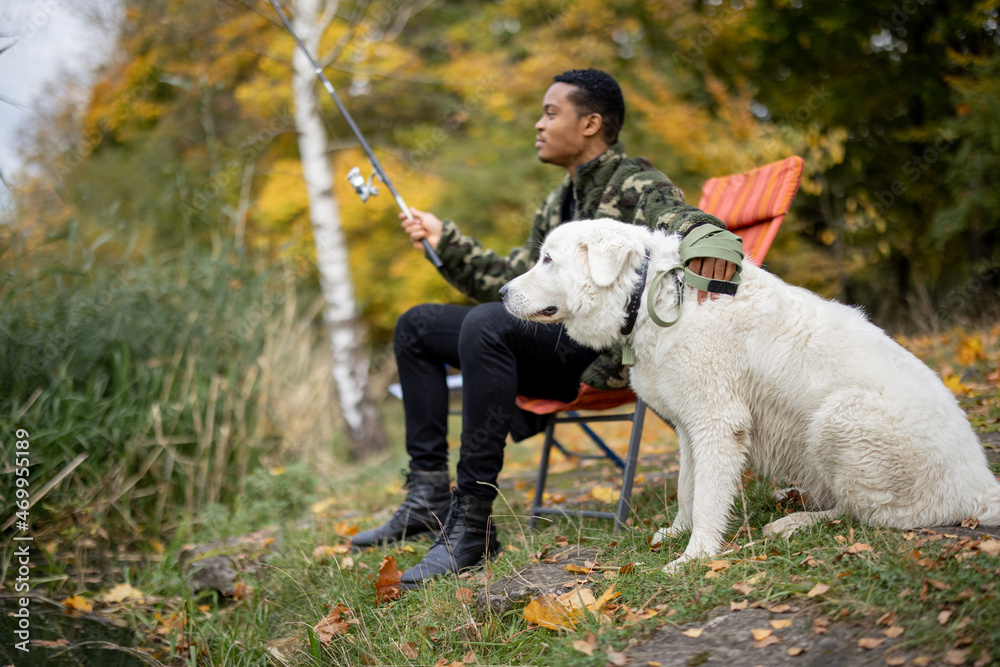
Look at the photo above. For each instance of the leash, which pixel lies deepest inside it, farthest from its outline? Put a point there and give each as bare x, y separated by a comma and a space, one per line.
701, 242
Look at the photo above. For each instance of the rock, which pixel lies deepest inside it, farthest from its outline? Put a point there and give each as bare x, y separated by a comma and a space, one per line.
533, 581
217, 565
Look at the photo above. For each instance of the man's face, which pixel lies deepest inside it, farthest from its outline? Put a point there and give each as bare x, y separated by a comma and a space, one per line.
561, 134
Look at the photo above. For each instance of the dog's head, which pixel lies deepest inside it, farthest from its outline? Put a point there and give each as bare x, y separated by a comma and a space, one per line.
583, 278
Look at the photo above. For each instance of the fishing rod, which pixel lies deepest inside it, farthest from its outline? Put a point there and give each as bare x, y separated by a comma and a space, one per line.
364, 189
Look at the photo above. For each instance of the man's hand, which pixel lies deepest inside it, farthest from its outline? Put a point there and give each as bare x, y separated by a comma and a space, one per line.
420, 226
713, 269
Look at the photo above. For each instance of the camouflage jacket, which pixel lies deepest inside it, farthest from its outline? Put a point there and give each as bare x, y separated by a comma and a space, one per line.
610, 186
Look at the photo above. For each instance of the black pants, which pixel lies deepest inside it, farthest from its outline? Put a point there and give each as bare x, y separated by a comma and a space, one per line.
499, 357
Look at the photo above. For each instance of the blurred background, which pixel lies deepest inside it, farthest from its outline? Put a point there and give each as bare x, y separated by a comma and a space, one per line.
164, 310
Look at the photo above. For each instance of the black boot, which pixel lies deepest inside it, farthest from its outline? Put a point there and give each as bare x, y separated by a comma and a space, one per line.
467, 536
424, 510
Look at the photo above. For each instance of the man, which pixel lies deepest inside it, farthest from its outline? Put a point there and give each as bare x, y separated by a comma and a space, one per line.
500, 357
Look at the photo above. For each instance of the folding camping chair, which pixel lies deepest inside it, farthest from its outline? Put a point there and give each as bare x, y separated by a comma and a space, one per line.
752, 205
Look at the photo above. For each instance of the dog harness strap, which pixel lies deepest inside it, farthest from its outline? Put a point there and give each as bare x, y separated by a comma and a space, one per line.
708, 241
650, 298
632, 307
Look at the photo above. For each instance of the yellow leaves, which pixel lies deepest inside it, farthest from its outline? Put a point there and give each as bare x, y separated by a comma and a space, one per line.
693, 633
954, 385
970, 350
78, 603
122, 593
604, 494
563, 612
781, 623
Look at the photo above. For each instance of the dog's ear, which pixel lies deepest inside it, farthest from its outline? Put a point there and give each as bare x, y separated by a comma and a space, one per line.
606, 258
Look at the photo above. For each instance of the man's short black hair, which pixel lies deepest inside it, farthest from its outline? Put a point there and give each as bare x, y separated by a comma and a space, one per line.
597, 92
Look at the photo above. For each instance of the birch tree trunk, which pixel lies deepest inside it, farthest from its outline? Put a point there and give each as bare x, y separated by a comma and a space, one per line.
350, 359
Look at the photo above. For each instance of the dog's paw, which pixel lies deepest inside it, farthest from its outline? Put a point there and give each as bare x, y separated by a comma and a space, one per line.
673, 566
664, 533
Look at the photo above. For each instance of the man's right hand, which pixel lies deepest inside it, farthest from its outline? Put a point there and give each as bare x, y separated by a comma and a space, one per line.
422, 225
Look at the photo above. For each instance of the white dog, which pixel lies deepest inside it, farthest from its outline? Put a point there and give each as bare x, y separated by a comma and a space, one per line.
774, 378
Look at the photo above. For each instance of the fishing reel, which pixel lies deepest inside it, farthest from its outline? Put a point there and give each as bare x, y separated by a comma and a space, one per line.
363, 189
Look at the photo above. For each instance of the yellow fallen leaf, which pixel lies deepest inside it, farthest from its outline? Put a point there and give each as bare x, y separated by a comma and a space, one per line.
78, 603
409, 649
796, 650
779, 608
969, 351
742, 587
717, 565
123, 592
895, 660
954, 384
783, 623
818, 589
760, 633
738, 606
767, 641
605, 494
548, 612
694, 633
587, 644
870, 643
943, 617
893, 631
757, 578
858, 547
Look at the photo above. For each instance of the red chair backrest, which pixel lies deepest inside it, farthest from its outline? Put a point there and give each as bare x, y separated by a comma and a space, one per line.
754, 203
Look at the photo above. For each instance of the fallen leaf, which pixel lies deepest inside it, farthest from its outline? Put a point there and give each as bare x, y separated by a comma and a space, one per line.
780, 608
333, 625
469, 658
921, 661
893, 631
409, 649
983, 660
817, 590
604, 494
694, 633
653, 663
971, 522
969, 351
757, 578
783, 623
717, 565
797, 650
760, 633
956, 656
78, 603
345, 529
742, 587
870, 642
123, 592
858, 547
888, 618
464, 594
711, 574
738, 606
896, 661
767, 641
241, 591
346, 563
990, 547
587, 644
578, 569
944, 616
387, 584
616, 659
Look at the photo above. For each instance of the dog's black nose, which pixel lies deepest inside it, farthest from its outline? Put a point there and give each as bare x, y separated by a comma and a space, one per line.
503, 291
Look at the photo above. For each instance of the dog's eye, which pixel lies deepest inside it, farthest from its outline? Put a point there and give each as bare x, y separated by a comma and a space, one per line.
547, 259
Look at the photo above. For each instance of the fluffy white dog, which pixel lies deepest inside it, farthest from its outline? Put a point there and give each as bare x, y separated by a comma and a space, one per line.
774, 378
